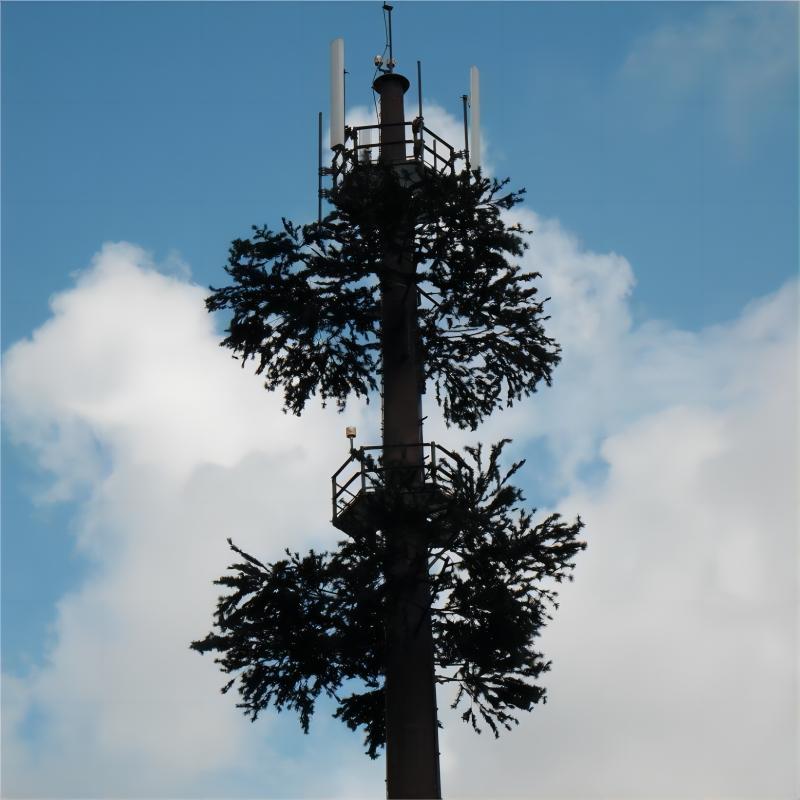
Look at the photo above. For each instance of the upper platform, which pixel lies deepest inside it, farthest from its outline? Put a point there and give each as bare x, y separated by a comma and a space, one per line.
423, 149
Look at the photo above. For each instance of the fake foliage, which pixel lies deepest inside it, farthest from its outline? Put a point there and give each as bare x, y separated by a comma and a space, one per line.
305, 307
305, 300
305, 626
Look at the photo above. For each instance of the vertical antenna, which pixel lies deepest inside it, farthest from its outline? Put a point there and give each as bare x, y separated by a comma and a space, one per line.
366, 153
419, 86
337, 93
475, 122
464, 101
319, 167
388, 9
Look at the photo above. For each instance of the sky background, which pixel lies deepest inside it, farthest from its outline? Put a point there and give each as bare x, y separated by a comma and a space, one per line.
658, 146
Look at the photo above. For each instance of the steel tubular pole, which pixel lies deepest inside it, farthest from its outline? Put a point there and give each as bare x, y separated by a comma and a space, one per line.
466, 134
412, 751
419, 87
319, 167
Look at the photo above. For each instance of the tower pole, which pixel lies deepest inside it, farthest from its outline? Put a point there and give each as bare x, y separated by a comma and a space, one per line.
412, 751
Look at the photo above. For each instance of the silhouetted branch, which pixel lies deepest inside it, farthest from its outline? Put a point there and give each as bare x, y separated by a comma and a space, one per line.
303, 626
305, 300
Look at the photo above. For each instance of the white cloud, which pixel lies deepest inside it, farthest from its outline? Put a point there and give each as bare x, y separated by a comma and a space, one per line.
672, 651
729, 57
126, 391
675, 650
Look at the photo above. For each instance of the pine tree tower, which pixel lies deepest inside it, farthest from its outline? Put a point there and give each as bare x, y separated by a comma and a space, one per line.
443, 577
412, 750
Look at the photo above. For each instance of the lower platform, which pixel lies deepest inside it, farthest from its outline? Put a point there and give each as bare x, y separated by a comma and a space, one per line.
362, 505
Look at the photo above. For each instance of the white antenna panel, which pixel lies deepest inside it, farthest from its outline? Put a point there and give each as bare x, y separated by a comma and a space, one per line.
337, 92
366, 139
475, 118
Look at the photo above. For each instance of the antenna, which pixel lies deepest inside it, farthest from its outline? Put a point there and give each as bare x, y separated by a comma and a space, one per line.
465, 102
475, 122
337, 93
366, 141
388, 10
419, 87
319, 167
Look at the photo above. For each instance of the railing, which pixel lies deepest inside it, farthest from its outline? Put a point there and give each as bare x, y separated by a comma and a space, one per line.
367, 471
427, 148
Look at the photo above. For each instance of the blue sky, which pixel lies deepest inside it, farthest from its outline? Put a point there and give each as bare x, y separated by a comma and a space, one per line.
658, 145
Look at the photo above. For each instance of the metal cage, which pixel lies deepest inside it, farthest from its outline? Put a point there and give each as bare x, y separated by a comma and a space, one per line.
425, 475
423, 147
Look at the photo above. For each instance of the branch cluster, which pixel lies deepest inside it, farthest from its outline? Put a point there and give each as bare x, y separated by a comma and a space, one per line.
305, 300
305, 305
495, 586
300, 627
304, 626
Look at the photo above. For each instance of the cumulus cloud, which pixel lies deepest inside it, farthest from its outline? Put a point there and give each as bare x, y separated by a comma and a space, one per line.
127, 401
672, 651
731, 57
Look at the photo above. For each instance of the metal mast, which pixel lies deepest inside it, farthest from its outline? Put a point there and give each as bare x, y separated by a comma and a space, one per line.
412, 750
414, 476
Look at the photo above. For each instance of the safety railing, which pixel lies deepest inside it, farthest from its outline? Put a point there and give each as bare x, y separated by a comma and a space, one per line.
411, 468
426, 148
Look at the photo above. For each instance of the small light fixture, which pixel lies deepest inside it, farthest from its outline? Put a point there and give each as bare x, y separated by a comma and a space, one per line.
350, 433
378, 61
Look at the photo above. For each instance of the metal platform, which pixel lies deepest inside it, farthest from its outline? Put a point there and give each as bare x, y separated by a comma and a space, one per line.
424, 149
421, 480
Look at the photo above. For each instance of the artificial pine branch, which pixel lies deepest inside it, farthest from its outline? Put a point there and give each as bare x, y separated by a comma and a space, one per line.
305, 308
305, 300
303, 626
